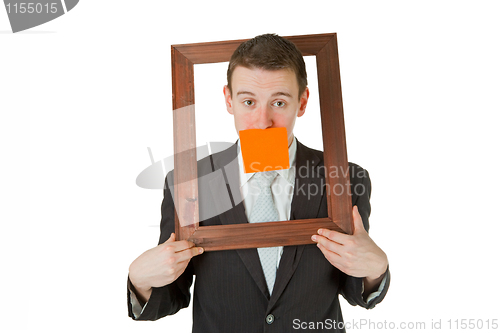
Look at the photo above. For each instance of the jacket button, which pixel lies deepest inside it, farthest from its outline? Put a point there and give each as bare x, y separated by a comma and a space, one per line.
269, 319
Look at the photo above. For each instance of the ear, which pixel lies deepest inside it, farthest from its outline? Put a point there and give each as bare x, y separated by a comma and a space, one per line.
229, 101
303, 102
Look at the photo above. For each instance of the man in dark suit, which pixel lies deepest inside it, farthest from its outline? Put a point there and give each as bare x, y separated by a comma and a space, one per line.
267, 87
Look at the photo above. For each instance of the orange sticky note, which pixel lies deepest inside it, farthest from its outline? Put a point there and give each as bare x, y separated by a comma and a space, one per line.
264, 150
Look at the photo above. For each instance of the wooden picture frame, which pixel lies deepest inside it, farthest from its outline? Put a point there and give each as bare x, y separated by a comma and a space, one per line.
252, 235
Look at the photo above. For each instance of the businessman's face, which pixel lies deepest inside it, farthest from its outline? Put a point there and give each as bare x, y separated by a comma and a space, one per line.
263, 99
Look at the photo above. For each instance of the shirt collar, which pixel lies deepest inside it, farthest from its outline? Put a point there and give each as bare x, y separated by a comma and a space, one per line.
285, 173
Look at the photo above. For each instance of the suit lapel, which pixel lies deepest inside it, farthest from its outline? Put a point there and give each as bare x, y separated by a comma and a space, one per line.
309, 182
307, 178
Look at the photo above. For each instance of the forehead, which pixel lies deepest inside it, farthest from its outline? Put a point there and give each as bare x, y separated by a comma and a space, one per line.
263, 79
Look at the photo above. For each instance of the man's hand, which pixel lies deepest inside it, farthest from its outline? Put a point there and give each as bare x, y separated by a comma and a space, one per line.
356, 255
161, 265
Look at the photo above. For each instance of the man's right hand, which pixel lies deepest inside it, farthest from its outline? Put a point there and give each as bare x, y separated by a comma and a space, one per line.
161, 265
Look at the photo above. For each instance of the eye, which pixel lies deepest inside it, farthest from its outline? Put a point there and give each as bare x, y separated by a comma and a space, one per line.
279, 104
248, 102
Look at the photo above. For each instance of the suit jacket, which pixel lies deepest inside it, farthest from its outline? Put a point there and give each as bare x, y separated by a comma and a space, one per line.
230, 292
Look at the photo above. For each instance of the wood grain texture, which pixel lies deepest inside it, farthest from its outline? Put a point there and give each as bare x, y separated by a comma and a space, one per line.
334, 142
251, 235
185, 165
239, 236
213, 52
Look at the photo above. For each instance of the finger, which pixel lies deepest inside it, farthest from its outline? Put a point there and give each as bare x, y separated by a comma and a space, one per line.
337, 260
333, 235
358, 221
189, 253
177, 246
183, 263
182, 245
169, 241
181, 266
197, 250
334, 258
186, 255
325, 243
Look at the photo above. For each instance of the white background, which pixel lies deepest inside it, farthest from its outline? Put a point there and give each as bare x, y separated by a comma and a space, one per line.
83, 96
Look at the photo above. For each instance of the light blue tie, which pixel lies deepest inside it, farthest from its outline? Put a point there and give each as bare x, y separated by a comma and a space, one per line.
264, 210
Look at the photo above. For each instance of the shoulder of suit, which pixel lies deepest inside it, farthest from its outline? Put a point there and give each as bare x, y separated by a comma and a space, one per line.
217, 160
205, 166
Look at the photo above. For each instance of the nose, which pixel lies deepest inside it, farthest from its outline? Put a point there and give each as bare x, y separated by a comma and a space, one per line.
264, 117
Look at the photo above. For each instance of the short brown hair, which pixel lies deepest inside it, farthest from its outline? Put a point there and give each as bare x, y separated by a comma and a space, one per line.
270, 52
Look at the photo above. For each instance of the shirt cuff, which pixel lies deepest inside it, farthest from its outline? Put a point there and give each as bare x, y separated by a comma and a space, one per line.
136, 306
376, 293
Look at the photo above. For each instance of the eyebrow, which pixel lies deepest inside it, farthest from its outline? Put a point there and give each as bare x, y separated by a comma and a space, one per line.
279, 93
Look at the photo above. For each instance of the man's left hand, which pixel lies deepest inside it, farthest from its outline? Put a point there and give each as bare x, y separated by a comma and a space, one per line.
356, 255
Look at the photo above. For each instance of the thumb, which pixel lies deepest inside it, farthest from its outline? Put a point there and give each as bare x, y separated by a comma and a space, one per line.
171, 238
168, 241
358, 221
